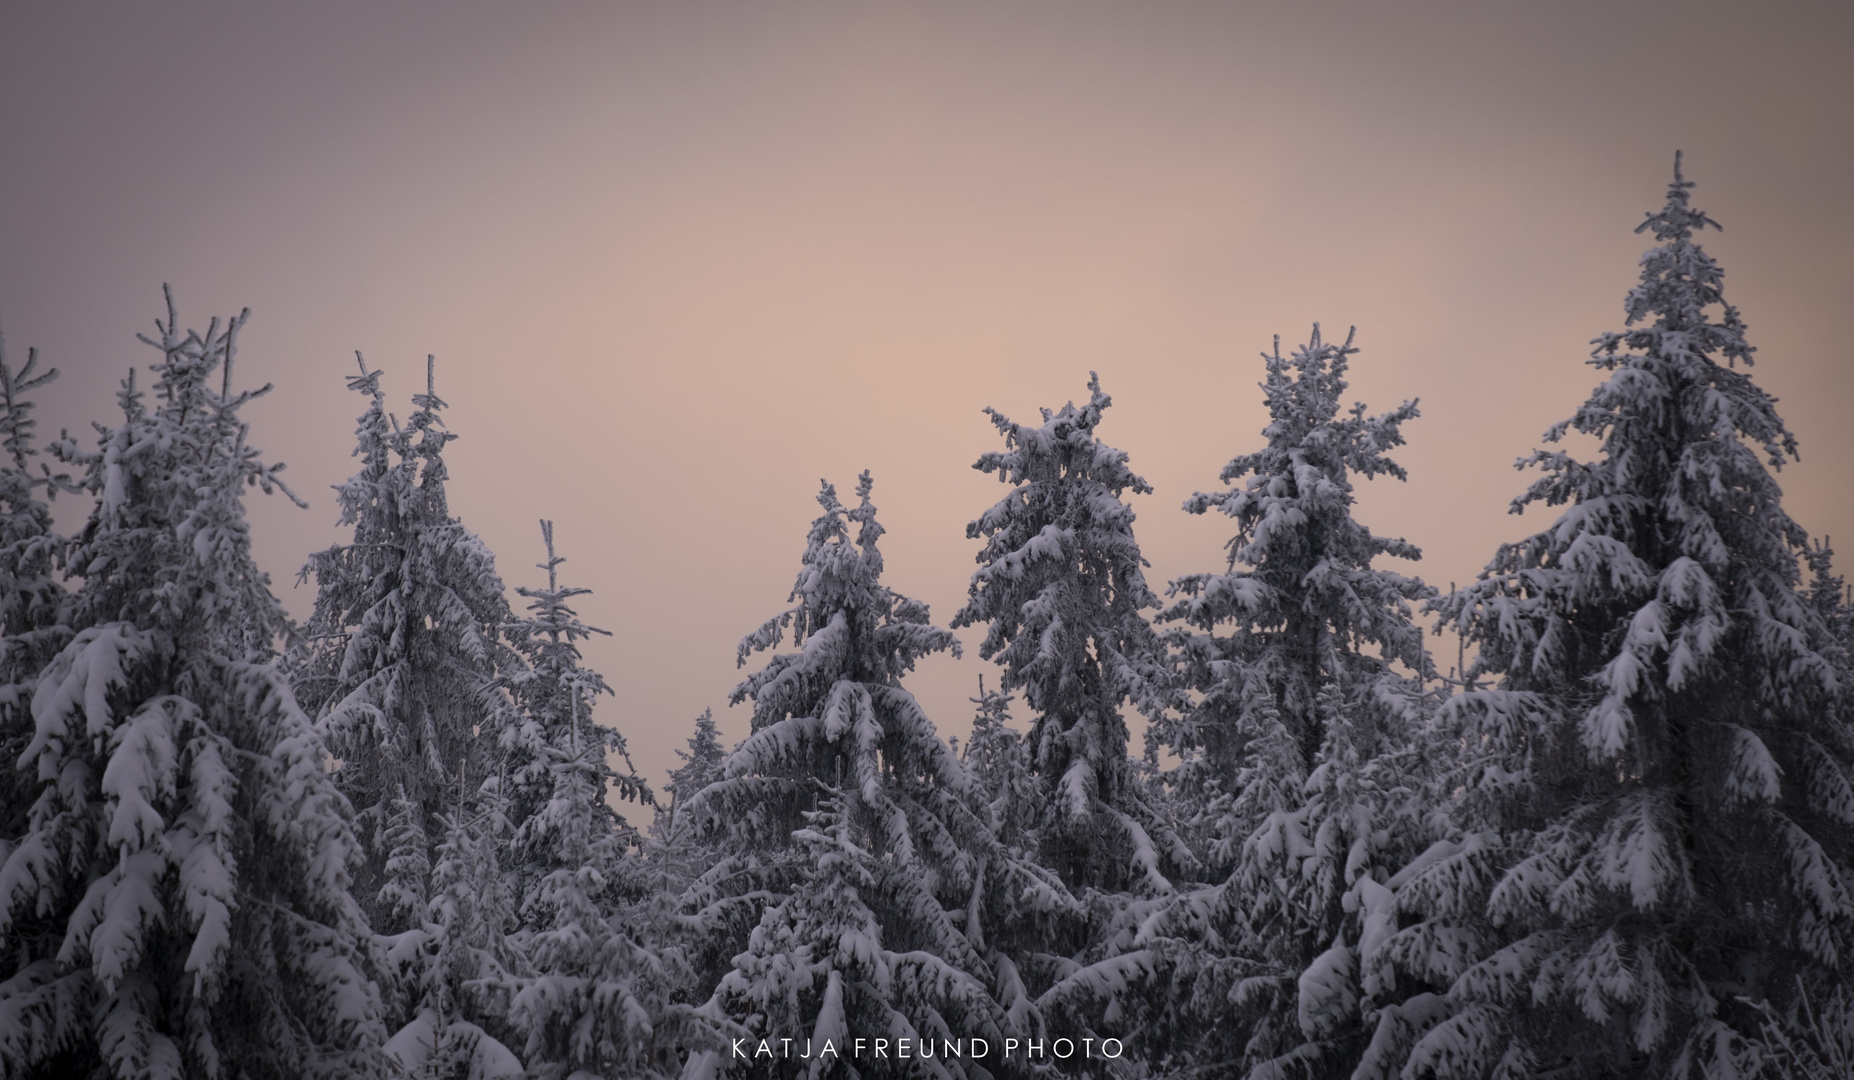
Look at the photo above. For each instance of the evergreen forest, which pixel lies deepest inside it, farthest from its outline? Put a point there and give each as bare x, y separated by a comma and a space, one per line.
1612, 836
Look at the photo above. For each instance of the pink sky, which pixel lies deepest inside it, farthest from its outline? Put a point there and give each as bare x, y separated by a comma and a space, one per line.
677, 262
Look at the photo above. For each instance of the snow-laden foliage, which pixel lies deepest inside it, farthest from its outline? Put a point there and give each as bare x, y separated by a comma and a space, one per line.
703, 762
454, 968
1031, 924
999, 760
678, 852
1652, 808
1300, 609
1621, 848
408, 664
555, 696
1297, 706
595, 993
1062, 585
1833, 600
1813, 1040
179, 904
1323, 648
405, 660
604, 983
32, 602
865, 843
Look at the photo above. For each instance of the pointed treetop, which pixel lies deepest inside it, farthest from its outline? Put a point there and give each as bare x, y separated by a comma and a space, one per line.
552, 565
367, 382
16, 421
424, 422
429, 402
1676, 221
551, 613
701, 763
1679, 284
1064, 446
1312, 451
846, 623
128, 399
428, 427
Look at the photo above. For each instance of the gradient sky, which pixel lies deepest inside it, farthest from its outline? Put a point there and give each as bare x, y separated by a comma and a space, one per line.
679, 261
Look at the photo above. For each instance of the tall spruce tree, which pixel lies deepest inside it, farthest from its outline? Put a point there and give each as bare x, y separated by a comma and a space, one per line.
687, 902
406, 660
1297, 744
1653, 818
878, 926
407, 665
1304, 608
678, 850
179, 905
1062, 584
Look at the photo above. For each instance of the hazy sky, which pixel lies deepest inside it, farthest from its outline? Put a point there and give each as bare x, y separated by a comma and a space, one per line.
679, 261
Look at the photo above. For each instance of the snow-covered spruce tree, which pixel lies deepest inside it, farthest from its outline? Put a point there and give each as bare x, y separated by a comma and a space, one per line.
32, 602
406, 665
999, 760
555, 697
405, 659
597, 997
1655, 812
1027, 916
677, 852
877, 924
702, 763
180, 904
1298, 750
1061, 584
1304, 608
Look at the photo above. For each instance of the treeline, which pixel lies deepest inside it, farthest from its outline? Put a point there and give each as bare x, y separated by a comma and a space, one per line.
387, 842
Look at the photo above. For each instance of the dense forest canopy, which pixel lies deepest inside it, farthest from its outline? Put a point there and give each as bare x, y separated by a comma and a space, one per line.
1611, 838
